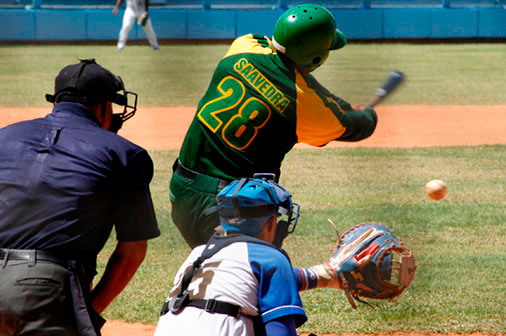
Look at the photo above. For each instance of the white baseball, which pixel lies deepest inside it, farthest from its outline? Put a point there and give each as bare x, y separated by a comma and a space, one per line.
436, 189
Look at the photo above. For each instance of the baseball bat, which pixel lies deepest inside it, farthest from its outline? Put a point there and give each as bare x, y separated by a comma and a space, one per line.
390, 83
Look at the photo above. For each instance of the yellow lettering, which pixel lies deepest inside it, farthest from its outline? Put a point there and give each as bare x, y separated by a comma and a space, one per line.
239, 65
283, 104
263, 86
270, 92
253, 76
246, 70
276, 98
259, 81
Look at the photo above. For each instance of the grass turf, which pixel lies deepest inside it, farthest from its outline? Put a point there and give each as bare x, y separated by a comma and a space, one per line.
177, 75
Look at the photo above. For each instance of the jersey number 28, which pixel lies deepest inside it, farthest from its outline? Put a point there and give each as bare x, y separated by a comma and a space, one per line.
242, 127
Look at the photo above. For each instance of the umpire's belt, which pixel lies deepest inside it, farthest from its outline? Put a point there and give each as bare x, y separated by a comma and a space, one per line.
32, 256
191, 175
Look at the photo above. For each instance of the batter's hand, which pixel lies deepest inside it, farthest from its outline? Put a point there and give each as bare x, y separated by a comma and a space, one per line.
360, 107
115, 11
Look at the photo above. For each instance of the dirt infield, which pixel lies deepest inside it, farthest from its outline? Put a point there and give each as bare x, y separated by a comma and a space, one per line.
119, 328
398, 126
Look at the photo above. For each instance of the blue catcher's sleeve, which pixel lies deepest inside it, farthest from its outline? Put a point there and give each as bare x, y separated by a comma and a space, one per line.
278, 294
284, 326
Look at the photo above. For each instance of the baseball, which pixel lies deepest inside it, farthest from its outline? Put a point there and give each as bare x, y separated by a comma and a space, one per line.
436, 189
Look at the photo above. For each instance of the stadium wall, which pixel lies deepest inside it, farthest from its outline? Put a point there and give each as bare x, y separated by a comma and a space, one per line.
388, 23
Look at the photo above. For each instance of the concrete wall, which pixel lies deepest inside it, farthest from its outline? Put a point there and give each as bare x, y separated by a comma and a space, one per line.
387, 23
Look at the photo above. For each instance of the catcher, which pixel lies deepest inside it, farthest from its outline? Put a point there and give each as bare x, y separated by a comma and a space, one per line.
242, 282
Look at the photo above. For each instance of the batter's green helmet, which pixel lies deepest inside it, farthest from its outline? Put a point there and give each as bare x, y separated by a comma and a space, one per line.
306, 34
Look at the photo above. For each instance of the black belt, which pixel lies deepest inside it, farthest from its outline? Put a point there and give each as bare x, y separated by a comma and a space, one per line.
32, 256
215, 306
212, 306
191, 175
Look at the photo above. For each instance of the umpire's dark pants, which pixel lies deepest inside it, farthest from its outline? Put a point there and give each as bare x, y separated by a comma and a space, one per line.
35, 299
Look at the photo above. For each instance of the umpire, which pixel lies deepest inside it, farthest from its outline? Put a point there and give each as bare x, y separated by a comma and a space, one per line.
65, 181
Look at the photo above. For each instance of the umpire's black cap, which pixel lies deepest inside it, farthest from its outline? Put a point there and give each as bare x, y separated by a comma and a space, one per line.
87, 82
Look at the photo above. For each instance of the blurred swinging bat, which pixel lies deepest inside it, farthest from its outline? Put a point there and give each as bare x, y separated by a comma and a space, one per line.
391, 82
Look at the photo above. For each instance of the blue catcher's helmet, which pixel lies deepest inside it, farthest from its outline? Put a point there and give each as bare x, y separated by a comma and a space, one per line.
245, 205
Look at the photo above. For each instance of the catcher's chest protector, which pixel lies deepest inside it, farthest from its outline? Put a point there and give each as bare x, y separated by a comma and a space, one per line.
215, 244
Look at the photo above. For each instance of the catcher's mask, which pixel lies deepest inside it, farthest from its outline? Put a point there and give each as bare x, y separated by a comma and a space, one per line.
306, 34
246, 205
88, 83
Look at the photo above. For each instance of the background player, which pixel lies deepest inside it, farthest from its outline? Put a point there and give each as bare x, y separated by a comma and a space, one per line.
65, 181
261, 101
135, 9
243, 283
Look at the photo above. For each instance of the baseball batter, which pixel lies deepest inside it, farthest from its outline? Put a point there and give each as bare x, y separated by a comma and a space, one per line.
261, 101
135, 10
240, 283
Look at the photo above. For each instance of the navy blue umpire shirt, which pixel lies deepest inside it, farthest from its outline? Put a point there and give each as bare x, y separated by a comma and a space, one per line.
65, 182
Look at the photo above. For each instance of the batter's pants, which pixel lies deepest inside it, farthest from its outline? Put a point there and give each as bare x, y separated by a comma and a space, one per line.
190, 199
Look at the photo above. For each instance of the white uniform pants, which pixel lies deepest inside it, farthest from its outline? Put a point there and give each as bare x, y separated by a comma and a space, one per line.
129, 18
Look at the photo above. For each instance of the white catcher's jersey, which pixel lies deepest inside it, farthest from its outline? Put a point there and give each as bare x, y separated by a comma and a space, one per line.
256, 277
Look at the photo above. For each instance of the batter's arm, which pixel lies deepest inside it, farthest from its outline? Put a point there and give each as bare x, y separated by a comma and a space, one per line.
359, 124
121, 267
360, 121
324, 117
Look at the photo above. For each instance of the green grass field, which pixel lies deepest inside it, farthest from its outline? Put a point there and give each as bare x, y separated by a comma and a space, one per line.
459, 242
456, 74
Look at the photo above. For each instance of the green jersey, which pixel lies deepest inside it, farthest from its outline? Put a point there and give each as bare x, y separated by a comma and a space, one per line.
257, 108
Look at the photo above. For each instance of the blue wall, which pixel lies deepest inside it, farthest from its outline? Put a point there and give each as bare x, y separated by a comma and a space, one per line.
385, 23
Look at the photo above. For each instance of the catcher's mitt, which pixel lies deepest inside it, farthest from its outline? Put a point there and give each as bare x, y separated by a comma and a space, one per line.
143, 18
370, 262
